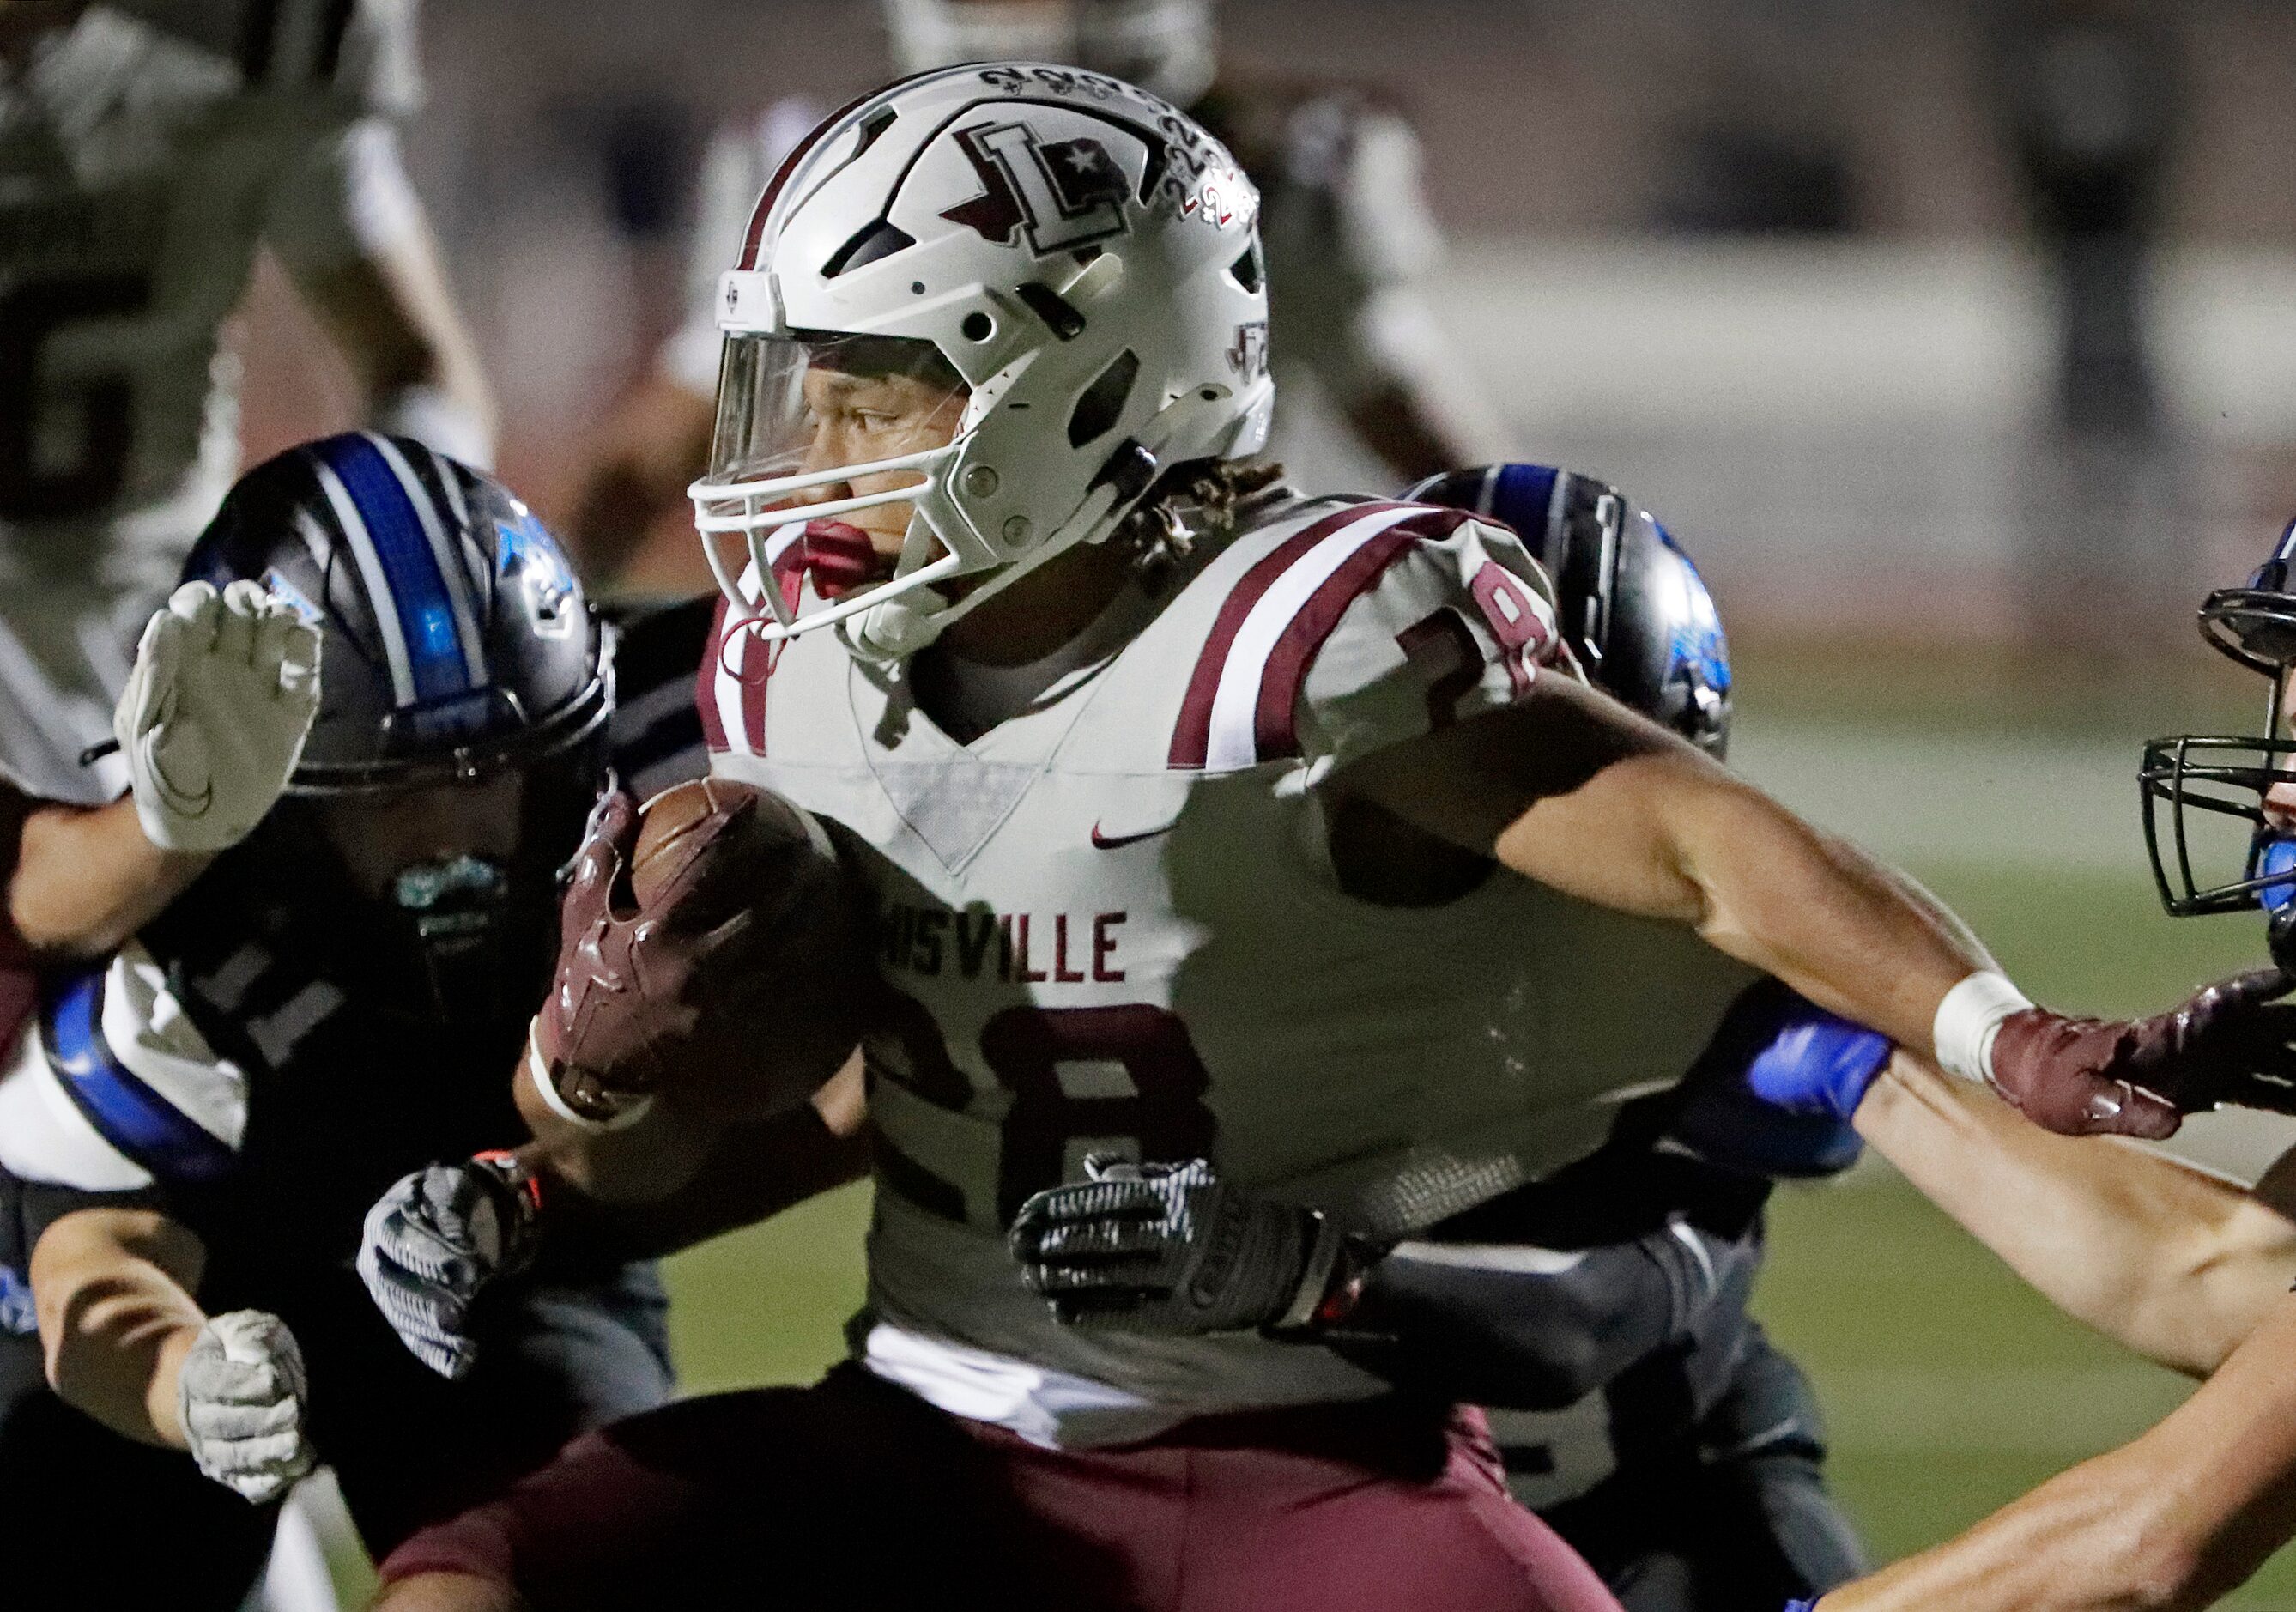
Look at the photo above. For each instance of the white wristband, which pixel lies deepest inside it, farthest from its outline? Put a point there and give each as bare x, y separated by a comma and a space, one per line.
1968, 1020
538, 1072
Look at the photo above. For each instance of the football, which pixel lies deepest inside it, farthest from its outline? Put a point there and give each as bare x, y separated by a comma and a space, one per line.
668, 838
781, 973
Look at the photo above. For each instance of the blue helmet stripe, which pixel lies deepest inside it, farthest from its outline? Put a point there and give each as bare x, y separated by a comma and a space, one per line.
418, 588
443, 550
142, 1124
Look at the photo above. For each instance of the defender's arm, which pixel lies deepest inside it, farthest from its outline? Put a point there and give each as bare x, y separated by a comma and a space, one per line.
2173, 1521
346, 226
222, 691
83, 878
113, 1290
2166, 1258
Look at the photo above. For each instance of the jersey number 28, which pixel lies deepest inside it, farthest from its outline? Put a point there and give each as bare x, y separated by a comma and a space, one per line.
1123, 1080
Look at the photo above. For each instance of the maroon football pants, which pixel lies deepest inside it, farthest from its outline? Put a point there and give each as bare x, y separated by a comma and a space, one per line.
854, 1494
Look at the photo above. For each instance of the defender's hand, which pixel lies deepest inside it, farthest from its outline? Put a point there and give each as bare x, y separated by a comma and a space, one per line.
2233, 1042
243, 1400
1171, 1248
1774, 1092
436, 1239
214, 714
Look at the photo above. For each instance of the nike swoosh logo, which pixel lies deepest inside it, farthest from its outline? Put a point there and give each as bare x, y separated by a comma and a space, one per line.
1101, 842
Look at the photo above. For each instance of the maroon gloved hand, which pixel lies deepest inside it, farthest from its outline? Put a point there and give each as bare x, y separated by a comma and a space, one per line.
726, 955
2229, 1043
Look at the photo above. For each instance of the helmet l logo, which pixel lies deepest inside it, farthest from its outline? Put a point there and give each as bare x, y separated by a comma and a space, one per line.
1066, 194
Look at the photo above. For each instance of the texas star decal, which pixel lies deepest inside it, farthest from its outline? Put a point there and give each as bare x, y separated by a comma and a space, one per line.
1066, 194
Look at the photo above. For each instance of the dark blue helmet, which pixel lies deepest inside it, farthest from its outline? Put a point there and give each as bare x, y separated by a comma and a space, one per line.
457, 650
1633, 608
456, 636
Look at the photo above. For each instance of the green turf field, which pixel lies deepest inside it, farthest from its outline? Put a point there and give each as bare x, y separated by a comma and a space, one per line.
1951, 1387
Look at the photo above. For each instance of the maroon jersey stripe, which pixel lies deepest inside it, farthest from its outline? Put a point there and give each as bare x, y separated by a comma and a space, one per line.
1275, 719
1192, 738
705, 684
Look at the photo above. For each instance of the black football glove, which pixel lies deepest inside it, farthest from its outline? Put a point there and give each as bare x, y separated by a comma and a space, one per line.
1171, 1248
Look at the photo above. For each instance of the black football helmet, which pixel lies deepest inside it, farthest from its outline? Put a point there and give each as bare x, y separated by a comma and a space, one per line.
2212, 847
1633, 607
457, 647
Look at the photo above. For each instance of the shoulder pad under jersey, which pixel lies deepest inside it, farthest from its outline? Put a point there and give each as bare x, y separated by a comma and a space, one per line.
114, 1088
1350, 625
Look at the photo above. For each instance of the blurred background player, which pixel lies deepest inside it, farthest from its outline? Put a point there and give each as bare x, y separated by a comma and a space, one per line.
2094, 94
147, 154
1372, 394
190, 1138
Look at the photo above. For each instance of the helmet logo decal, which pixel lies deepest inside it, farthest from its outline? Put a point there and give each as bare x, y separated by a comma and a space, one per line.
1208, 206
1248, 354
524, 554
1067, 195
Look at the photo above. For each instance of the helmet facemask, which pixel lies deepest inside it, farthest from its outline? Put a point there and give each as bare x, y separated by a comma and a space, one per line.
825, 446
2209, 812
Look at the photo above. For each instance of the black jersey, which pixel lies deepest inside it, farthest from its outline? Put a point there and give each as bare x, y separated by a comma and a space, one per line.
241, 1064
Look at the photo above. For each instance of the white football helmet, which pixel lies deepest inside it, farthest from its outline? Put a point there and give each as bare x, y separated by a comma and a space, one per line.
1005, 299
1169, 47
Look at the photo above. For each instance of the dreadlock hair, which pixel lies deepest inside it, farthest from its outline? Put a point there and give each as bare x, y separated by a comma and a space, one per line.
1192, 502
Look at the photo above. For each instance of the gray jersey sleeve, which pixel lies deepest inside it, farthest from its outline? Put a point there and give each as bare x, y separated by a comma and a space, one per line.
1349, 239
347, 199
1351, 243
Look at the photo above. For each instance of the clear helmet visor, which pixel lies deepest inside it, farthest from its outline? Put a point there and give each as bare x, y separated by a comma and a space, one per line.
823, 446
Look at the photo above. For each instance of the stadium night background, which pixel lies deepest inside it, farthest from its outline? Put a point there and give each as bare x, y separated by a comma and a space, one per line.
1956, 341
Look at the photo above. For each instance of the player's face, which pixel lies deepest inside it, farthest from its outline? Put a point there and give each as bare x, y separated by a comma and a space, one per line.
399, 843
2280, 800
855, 418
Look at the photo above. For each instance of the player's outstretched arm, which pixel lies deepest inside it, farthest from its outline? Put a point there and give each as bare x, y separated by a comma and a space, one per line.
2168, 1260
83, 878
1568, 787
346, 226
2171, 1521
126, 1344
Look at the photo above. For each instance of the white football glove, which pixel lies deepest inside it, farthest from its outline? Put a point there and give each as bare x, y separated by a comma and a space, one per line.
242, 1399
214, 712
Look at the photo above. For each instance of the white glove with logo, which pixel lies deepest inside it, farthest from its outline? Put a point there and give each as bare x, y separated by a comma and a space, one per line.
242, 1399
214, 714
